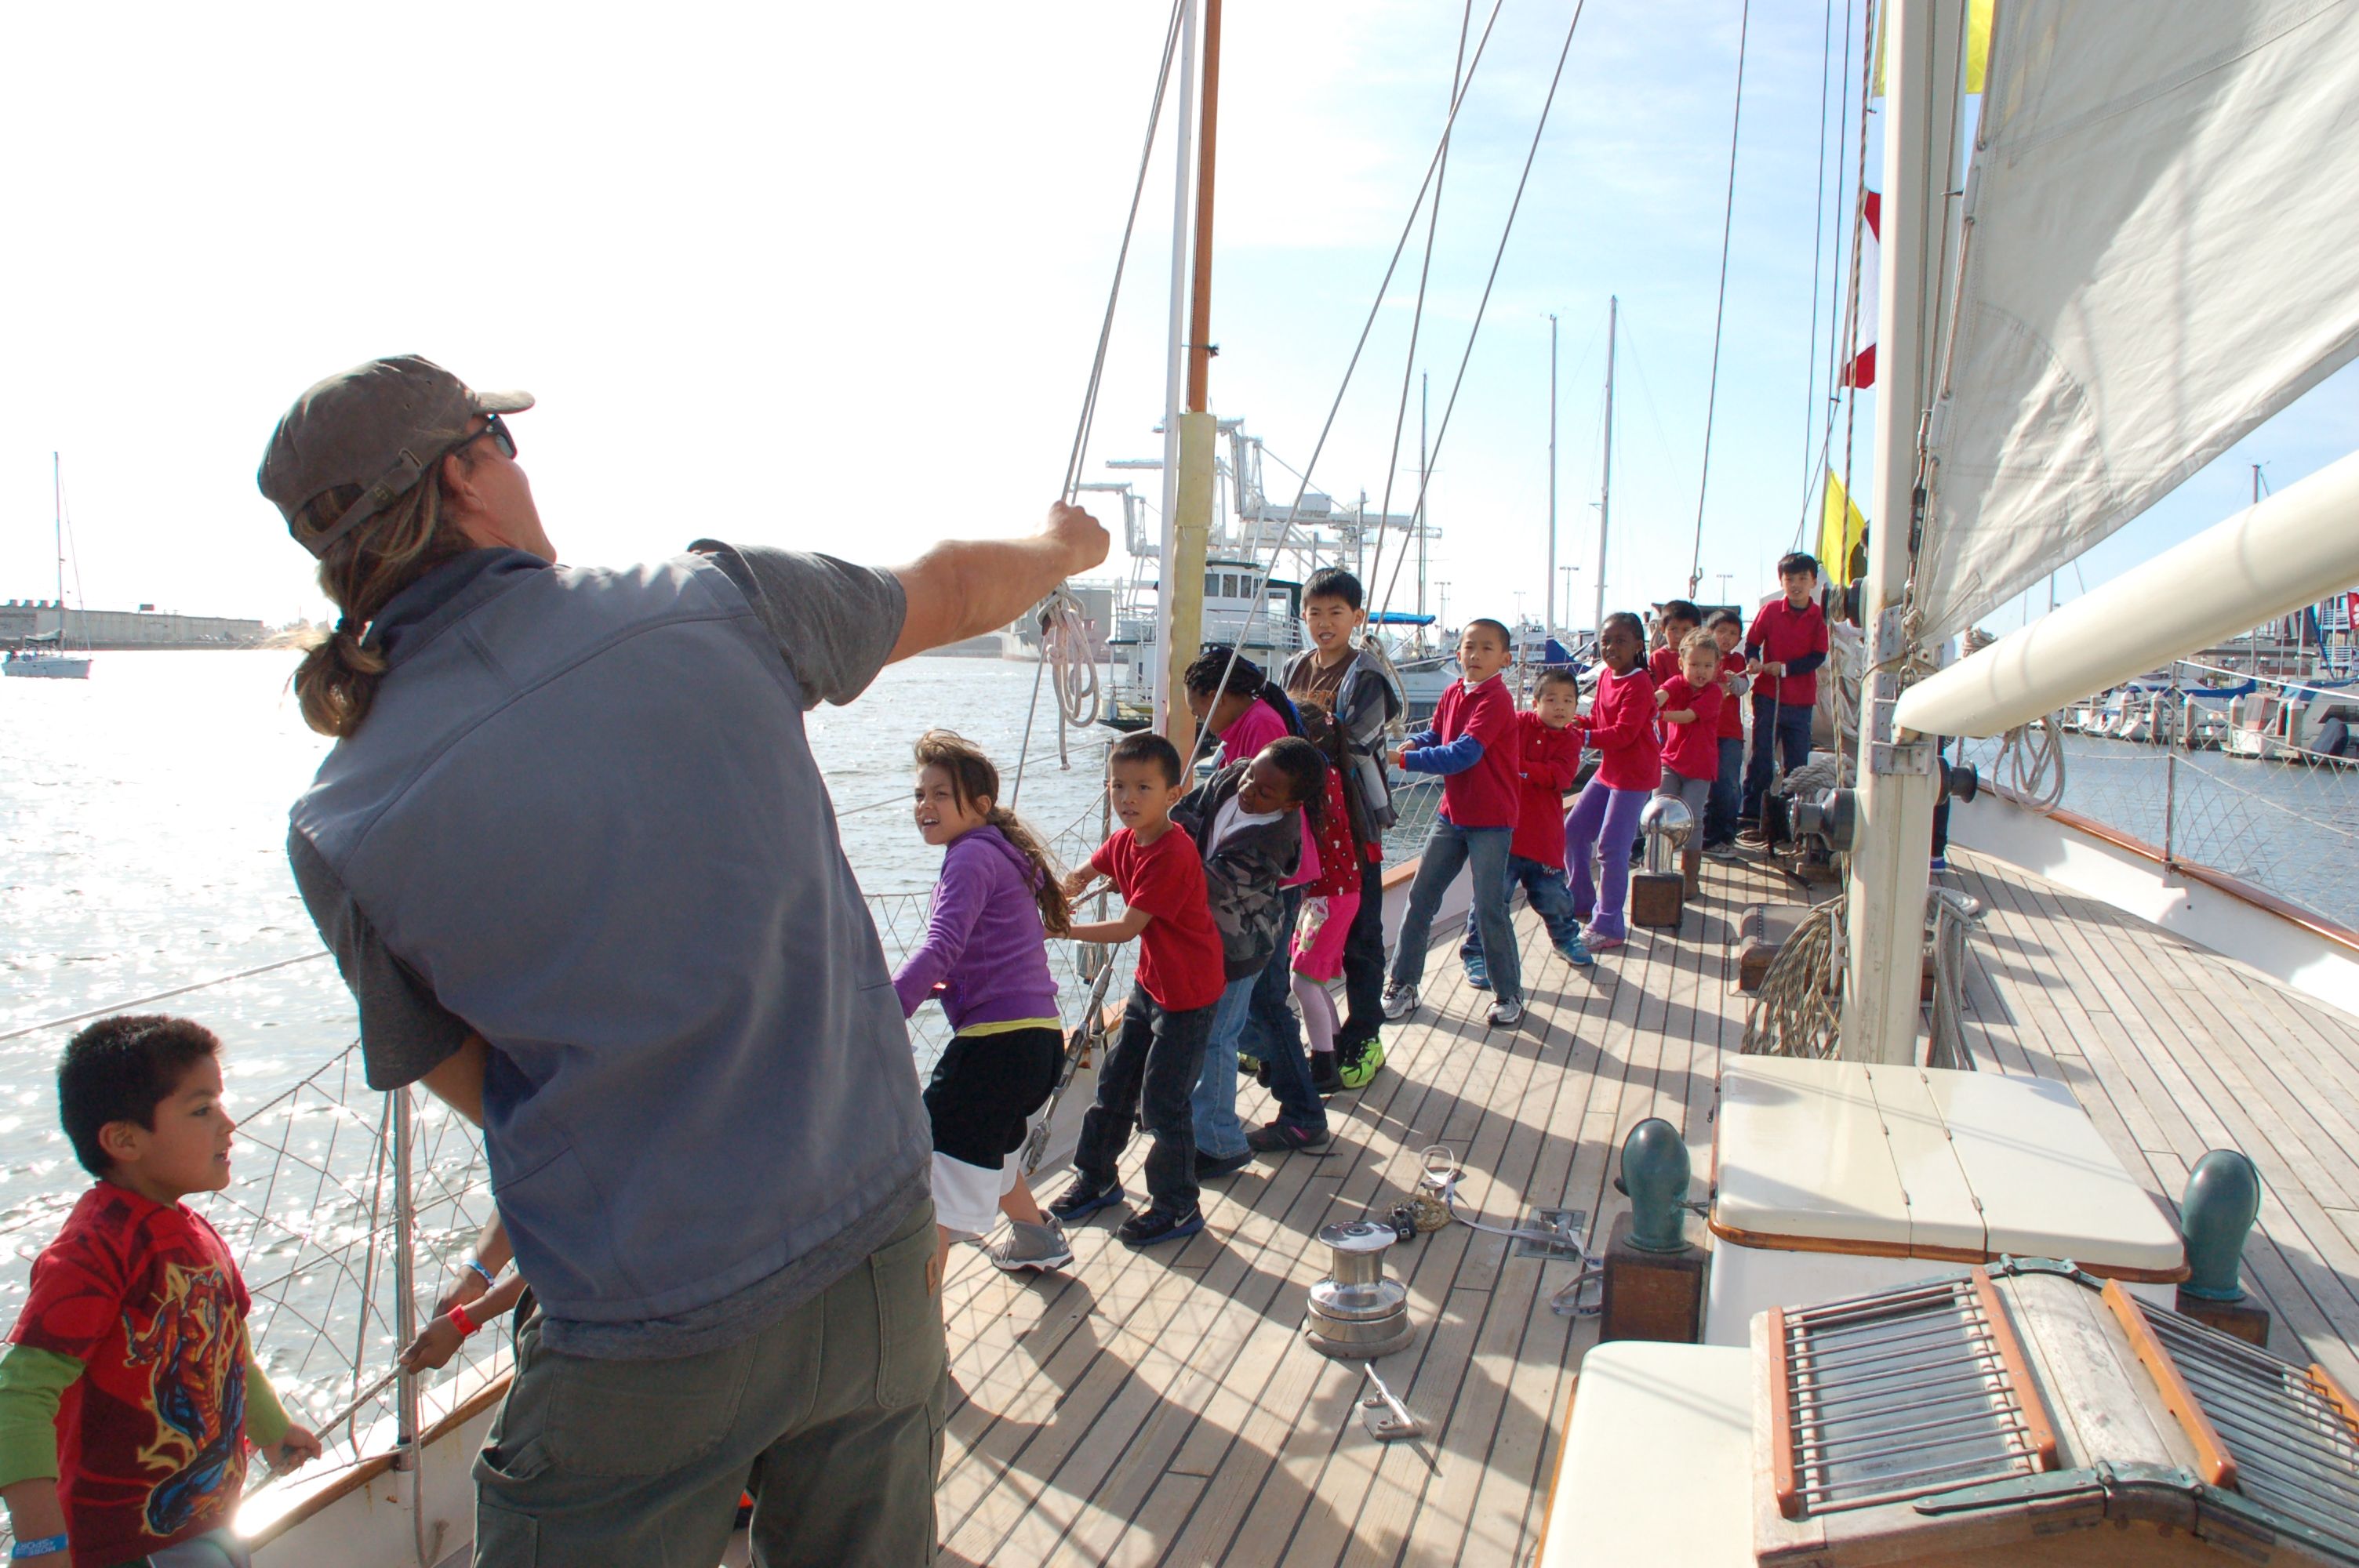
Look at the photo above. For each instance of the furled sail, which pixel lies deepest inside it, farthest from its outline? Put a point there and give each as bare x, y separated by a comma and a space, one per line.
2160, 256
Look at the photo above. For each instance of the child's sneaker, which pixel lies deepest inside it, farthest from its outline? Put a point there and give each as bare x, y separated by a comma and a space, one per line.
1940, 864
1605, 944
1478, 974
1160, 1224
1506, 1013
1400, 1000
1279, 1138
1248, 1066
1572, 951
1040, 1248
1724, 850
1324, 1078
1211, 1167
1360, 1066
1084, 1198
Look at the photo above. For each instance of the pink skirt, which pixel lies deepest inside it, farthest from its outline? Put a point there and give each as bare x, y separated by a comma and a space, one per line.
1323, 959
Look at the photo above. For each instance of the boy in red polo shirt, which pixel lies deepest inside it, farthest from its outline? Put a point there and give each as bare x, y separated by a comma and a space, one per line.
1151, 1070
1472, 744
1720, 814
1691, 703
1678, 618
1548, 759
1786, 643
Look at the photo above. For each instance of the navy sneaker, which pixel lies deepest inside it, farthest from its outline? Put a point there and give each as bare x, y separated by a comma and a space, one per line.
1084, 1198
1478, 973
1326, 1078
1160, 1224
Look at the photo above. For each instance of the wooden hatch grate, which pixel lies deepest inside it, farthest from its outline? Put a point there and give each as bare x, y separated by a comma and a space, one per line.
1896, 1395
2286, 1437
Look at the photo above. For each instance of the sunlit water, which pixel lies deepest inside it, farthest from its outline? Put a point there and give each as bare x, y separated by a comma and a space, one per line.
143, 822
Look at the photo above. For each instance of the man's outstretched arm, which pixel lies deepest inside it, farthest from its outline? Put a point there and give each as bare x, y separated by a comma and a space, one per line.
963, 588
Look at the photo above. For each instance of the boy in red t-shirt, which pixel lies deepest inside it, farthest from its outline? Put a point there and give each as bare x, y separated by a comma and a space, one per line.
1678, 618
129, 1391
1691, 702
1151, 1069
1472, 744
1548, 759
1720, 813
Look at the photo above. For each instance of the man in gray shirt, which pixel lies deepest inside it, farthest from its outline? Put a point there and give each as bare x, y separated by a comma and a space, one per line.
582, 874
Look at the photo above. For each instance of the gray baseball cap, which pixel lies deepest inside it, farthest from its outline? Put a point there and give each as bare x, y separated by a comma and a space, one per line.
378, 425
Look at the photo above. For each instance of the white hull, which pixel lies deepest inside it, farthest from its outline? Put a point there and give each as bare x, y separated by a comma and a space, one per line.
49, 667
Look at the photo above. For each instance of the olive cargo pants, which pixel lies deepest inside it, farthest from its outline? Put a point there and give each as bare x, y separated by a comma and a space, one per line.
832, 1418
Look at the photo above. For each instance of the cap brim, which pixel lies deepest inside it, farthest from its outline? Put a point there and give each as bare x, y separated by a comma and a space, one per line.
501, 402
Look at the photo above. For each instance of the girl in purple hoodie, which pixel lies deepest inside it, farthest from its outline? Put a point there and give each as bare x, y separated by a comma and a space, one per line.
985, 960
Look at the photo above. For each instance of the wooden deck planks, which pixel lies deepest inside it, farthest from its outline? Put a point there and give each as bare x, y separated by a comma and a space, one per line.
1162, 1407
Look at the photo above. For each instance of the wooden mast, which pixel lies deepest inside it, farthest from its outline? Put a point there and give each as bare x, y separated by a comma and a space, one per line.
1183, 563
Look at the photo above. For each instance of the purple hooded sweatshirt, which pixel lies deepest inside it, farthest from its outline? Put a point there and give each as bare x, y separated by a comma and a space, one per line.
985, 954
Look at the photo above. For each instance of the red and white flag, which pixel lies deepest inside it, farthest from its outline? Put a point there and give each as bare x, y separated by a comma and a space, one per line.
1861, 370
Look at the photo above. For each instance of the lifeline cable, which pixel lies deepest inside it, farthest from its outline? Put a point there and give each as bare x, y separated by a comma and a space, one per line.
1719, 311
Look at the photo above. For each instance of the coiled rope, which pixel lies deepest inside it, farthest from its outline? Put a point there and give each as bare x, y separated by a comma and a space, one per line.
1798, 1010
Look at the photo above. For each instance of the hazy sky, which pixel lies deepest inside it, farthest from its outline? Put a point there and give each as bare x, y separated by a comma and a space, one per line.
830, 276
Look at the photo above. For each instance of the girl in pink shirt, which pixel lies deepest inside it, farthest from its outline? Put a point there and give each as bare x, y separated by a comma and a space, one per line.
1604, 820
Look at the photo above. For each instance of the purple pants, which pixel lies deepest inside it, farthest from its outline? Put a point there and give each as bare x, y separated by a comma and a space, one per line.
1604, 822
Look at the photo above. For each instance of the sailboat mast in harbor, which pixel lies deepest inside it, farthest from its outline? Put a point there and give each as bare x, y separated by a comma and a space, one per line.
1180, 606
1605, 483
54, 661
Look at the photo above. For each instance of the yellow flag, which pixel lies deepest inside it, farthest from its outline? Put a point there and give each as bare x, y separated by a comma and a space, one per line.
1840, 532
1978, 31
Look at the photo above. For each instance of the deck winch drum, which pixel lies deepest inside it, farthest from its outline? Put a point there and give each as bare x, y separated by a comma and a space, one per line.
1665, 824
1356, 1311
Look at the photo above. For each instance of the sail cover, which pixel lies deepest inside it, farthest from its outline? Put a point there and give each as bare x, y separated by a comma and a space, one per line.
2161, 255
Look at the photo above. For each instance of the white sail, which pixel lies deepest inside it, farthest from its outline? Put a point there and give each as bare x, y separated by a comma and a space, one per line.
2160, 256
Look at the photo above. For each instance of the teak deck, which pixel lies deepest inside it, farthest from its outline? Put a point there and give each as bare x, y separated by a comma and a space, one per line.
1161, 1407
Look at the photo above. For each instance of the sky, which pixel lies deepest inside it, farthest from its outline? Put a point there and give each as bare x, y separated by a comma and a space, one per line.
831, 277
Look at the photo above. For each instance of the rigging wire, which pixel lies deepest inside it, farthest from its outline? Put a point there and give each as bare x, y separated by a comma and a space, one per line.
1719, 310
1819, 240
1474, 332
1843, 327
1408, 226
1417, 319
1078, 695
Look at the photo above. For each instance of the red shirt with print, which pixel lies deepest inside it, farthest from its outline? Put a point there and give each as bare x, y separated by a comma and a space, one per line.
1180, 957
151, 1437
1693, 750
1339, 860
1547, 761
1732, 711
1783, 632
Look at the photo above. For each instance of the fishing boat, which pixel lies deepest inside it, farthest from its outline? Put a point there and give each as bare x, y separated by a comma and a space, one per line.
1704, 1264
48, 655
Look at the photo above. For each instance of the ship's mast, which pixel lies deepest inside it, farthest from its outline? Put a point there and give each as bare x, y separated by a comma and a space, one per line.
1605, 485
1893, 842
58, 525
1548, 616
1424, 477
1175, 370
1182, 601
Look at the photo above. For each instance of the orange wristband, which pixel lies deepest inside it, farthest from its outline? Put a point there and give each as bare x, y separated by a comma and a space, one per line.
467, 1326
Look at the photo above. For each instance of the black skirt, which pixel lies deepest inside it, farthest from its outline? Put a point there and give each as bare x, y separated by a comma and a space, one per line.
985, 1088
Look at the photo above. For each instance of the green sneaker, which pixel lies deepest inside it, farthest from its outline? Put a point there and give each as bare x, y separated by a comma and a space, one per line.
1361, 1065
1248, 1066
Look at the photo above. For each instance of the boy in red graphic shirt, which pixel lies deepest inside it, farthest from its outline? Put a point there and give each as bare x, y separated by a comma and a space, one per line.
1150, 1072
1548, 759
1691, 702
129, 1391
1472, 744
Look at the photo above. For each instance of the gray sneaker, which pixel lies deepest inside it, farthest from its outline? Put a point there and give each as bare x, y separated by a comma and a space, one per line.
1036, 1247
1506, 1014
1399, 1000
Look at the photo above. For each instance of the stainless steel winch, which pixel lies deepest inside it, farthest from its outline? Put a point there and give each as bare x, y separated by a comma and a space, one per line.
1356, 1312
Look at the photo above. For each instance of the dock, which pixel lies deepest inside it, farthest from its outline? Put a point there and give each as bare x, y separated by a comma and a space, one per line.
1162, 1407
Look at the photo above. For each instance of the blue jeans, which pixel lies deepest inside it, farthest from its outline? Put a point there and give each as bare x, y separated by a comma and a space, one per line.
1213, 1106
1144, 1081
1720, 813
1483, 850
1274, 1034
1545, 889
1788, 729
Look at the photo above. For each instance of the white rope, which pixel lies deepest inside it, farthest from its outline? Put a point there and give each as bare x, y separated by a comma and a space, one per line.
1065, 649
1954, 917
2030, 764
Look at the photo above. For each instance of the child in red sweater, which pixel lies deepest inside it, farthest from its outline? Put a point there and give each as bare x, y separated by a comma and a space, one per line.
1472, 743
1604, 821
1691, 702
1720, 815
1548, 759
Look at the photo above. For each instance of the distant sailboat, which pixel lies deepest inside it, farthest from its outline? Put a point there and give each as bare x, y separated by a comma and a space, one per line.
46, 654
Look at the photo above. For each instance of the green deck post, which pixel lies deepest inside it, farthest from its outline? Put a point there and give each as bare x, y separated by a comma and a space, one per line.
2223, 1199
1655, 1174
